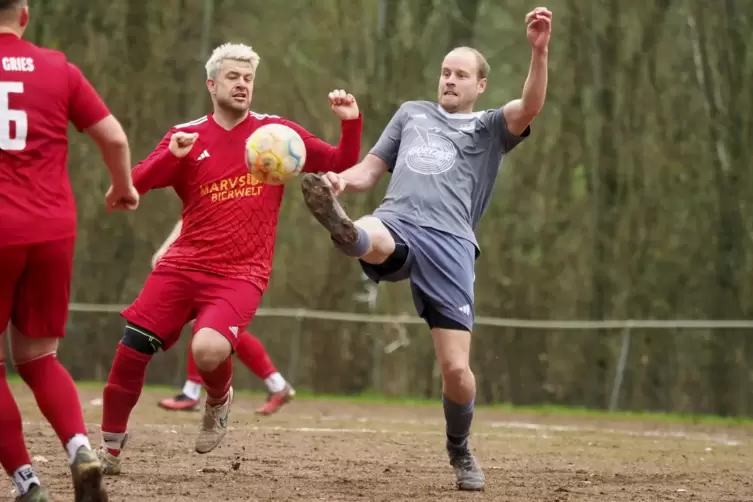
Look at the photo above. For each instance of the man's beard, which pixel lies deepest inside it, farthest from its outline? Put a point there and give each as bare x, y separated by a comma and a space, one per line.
229, 107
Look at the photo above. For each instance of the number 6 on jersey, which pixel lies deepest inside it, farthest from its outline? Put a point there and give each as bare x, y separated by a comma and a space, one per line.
17, 141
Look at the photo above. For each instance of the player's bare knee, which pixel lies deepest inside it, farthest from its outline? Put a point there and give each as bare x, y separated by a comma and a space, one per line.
210, 348
454, 370
24, 348
382, 242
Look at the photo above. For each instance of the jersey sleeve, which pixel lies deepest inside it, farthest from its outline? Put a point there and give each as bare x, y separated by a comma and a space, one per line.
321, 156
85, 106
388, 144
159, 169
497, 126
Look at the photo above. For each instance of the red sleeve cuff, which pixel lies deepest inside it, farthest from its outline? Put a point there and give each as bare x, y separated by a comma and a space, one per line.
353, 124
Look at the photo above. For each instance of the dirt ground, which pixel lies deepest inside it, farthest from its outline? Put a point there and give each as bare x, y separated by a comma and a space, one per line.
317, 450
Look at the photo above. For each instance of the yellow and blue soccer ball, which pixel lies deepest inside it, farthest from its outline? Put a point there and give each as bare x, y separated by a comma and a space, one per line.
275, 154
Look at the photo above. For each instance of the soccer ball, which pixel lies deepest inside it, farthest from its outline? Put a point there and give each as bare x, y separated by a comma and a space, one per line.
275, 154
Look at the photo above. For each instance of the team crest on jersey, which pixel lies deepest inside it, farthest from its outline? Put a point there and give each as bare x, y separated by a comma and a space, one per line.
431, 152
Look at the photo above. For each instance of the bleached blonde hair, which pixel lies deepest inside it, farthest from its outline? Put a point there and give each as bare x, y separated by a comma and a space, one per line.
232, 52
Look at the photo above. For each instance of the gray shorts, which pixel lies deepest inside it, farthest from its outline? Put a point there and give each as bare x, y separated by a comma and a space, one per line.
440, 267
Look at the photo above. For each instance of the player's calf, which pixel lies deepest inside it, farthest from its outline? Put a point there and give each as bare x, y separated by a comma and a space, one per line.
122, 392
212, 354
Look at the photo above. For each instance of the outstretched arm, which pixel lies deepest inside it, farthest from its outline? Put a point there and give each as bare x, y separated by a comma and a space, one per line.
381, 159
363, 176
519, 113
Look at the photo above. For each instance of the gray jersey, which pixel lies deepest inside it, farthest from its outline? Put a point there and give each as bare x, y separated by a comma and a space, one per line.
443, 165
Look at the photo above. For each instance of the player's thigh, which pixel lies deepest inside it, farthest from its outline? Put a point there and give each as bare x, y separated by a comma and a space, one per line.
43, 292
382, 240
25, 348
442, 280
164, 305
12, 265
226, 306
397, 265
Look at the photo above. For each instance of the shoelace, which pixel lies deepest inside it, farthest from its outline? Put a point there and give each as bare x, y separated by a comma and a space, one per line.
464, 462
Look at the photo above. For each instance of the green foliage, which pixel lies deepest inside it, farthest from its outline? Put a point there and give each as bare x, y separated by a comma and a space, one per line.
630, 200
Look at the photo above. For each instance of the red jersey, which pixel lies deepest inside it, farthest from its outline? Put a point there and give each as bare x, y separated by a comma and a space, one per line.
230, 218
40, 92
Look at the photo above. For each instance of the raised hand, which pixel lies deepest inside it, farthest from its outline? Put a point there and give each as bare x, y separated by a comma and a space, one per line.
539, 22
343, 105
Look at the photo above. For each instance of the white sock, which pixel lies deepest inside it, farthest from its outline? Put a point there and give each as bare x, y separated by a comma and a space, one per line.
192, 390
275, 383
74, 444
113, 440
24, 478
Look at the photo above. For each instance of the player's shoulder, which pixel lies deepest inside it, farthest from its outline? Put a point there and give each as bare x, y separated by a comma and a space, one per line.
268, 118
25, 56
195, 125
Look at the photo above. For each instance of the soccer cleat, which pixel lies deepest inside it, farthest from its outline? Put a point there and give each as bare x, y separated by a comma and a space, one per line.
87, 477
468, 473
325, 208
109, 462
277, 400
180, 402
213, 425
35, 494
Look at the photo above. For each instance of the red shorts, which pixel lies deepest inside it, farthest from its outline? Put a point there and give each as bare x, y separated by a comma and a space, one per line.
35, 287
172, 297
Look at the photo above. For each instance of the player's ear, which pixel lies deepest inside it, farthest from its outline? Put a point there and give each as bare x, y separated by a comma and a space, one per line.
210, 86
481, 86
24, 17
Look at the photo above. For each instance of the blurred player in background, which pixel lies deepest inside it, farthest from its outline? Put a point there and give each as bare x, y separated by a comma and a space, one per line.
249, 350
40, 92
444, 159
218, 268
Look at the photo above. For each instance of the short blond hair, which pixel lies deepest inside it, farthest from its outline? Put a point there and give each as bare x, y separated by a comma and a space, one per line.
482, 65
231, 52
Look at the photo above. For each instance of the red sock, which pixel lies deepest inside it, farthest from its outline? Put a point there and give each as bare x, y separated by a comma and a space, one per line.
123, 388
13, 452
192, 372
217, 382
56, 395
252, 354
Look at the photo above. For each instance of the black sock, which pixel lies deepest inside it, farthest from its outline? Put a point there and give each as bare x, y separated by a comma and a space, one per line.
458, 418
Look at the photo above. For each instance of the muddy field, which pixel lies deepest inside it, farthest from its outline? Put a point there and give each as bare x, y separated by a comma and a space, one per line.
316, 450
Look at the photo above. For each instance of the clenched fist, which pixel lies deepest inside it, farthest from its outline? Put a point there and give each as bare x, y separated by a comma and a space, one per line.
182, 142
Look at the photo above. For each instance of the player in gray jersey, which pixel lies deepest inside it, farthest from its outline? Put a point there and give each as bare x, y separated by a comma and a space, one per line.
444, 159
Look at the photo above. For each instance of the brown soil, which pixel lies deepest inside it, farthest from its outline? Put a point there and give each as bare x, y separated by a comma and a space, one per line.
316, 450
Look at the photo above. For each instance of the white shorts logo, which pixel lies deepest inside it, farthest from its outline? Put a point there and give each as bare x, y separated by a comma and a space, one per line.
430, 153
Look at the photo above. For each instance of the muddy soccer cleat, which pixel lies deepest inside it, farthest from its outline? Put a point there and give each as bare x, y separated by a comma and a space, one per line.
328, 212
468, 473
181, 402
87, 477
110, 463
35, 494
213, 425
277, 400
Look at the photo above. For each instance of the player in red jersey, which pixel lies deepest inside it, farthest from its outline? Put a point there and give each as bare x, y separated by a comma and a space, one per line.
218, 268
249, 350
40, 92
